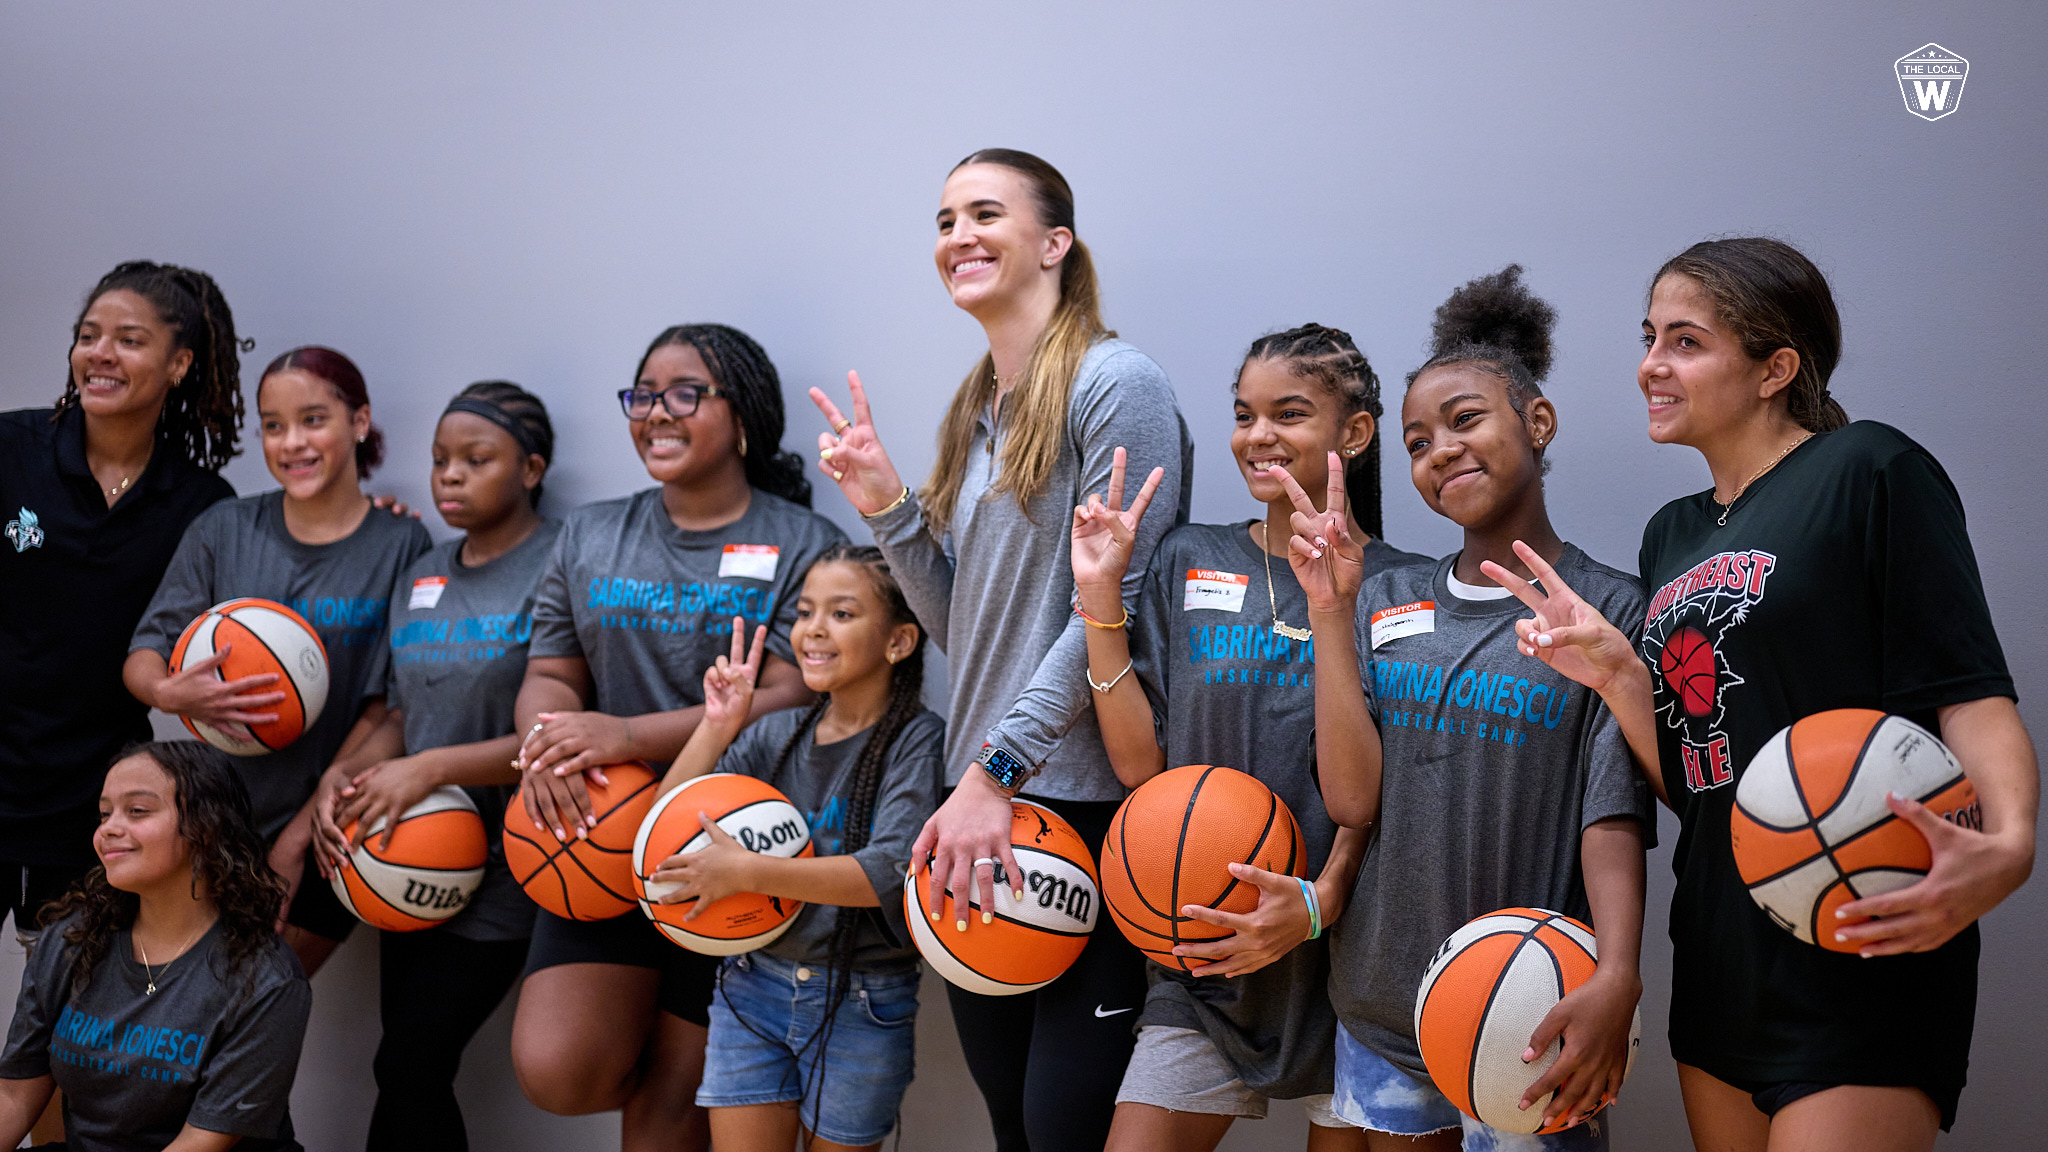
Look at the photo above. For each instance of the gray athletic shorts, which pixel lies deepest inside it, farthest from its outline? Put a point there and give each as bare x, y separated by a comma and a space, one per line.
1179, 1069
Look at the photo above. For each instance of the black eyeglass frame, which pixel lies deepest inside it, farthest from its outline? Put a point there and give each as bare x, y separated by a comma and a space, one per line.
698, 391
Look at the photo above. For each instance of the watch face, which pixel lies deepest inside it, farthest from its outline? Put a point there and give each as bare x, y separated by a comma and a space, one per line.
1006, 769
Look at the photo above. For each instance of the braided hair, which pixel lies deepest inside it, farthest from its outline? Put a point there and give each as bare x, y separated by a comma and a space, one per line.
906, 700
754, 389
202, 416
525, 408
1494, 323
1331, 358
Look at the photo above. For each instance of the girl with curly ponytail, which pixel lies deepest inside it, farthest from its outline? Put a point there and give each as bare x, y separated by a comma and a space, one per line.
162, 1001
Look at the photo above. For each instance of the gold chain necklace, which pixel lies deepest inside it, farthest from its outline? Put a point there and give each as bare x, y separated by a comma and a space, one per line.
148, 976
1730, 505
1280, 626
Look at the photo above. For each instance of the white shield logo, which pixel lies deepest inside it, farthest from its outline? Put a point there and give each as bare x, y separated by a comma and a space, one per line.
1931, 80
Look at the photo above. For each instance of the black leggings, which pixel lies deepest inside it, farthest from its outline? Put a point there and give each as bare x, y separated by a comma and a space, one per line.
1049, 1062
438, 990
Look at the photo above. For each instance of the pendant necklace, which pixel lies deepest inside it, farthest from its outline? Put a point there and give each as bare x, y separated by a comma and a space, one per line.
150, 978
1730, 505
115, 492
1283, 628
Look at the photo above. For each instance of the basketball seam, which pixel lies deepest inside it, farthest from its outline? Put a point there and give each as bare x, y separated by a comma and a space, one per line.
1492, 995
272, 652
1004, 919
1180, 848
1272, 809
1829, 852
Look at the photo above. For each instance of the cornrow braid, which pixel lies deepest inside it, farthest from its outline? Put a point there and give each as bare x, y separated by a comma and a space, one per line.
754, 389
1330, 357
525, 408
202, 415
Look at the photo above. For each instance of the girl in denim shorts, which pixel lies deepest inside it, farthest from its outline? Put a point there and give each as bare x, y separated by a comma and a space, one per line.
816, 1030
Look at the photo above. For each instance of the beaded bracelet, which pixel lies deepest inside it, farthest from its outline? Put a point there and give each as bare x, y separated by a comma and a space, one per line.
1315, 907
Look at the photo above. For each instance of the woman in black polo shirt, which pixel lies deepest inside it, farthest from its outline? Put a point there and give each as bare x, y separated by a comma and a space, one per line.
95, 494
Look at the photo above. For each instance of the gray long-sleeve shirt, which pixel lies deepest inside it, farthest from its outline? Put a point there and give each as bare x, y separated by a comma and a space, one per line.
997, 593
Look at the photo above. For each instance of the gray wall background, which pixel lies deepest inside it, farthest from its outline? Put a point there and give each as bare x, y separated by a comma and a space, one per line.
457, 191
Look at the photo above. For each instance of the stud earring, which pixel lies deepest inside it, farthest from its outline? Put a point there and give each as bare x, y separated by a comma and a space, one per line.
743, 443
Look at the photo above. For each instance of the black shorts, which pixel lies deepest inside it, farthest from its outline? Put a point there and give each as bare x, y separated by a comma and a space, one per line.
316, 908
1770, 1096
632, 939
26, 889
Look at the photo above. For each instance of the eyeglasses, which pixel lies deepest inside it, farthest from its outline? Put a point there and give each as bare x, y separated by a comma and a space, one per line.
680, 400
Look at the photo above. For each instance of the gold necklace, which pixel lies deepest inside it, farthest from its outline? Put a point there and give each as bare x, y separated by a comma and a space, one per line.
148, 976
1283, 628
1730, 505
116, 491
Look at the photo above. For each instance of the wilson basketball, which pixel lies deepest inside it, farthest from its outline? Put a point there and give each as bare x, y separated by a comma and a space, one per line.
585, 879
1810, 827
431, 869
1488, 988
1029, 942
259, 636
1172, 844
1687, 663
751, 811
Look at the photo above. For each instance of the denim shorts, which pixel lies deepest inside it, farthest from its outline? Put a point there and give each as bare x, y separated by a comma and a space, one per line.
1374, 1094
766, 1017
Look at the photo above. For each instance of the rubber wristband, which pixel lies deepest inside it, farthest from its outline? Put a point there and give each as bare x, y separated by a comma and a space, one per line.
1315, 911
1092, 622
893, 505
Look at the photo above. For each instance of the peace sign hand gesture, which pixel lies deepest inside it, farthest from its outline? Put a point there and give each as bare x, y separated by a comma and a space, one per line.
1105, 534
1567, 633
729, 683
1327, 561
853, 456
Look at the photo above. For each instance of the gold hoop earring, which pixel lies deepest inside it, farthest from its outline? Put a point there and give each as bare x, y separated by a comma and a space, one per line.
743, 442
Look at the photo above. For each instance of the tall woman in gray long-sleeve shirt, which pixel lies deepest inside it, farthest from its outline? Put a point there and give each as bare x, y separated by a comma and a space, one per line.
981, 551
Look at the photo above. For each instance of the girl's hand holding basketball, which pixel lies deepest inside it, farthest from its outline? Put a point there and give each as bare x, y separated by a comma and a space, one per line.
720, 869
1104, 536
1594, 1020
729, 683
330, 846
853, 456
383, 791
972, 825
1973, 872
1566, 633
1263, 935
1327, 561
553, 792
197, 692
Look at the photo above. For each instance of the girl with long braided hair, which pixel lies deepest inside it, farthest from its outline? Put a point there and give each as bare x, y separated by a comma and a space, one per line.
635, 602
834, 999
95, 493
1216, 666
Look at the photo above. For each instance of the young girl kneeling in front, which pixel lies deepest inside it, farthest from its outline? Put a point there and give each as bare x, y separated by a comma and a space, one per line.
817, 1028
1491, 780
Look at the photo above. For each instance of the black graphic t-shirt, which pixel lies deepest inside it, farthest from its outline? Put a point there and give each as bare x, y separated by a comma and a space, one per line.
1844, 578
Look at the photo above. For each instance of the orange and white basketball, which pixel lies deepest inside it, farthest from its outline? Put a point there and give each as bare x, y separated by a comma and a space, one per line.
432, 868
1810, 827
1029, 943
1486, 991
587, 878
260, 636
1172, 844
751, 811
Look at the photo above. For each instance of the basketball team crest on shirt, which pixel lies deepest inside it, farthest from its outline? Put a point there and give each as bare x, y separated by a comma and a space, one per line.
1683, 641
749, 561
25, 532
1209, 588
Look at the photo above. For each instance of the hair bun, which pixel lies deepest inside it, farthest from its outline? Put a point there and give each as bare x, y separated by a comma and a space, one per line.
1497, 311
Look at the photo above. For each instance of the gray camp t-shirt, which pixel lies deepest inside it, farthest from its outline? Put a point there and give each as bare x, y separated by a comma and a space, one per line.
1494, 766
650, 606
211, 1047
818, 779
343, 589
458, 654
994, 588
1226, 689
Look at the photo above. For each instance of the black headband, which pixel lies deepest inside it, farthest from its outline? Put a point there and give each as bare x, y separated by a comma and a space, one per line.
520, 433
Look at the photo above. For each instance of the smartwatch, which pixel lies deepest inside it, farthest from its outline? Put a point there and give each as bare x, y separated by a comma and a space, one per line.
1008, 772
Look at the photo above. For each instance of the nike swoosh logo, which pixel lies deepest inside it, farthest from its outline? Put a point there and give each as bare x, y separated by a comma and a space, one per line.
1099, 1013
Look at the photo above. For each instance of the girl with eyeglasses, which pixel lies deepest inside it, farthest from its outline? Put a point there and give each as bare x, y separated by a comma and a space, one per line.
637, 600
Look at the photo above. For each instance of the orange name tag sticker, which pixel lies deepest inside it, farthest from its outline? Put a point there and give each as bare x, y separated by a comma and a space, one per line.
1405, 620
426, 592
1208, 588
749, 561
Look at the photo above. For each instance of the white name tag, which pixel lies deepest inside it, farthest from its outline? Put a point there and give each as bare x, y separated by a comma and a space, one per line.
1223, 591
426, 592
749, 561
1405, 620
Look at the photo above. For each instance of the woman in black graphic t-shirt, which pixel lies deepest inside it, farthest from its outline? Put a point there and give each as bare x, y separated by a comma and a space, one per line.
1828, 567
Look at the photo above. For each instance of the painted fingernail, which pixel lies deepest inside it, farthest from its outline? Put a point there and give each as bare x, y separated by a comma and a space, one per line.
582, 833
988, 917
1319, 553
1322, 543
959, 925
935, 917
1543, 640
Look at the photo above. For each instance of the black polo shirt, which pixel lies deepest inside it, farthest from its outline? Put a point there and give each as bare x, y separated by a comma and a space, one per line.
75, 577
